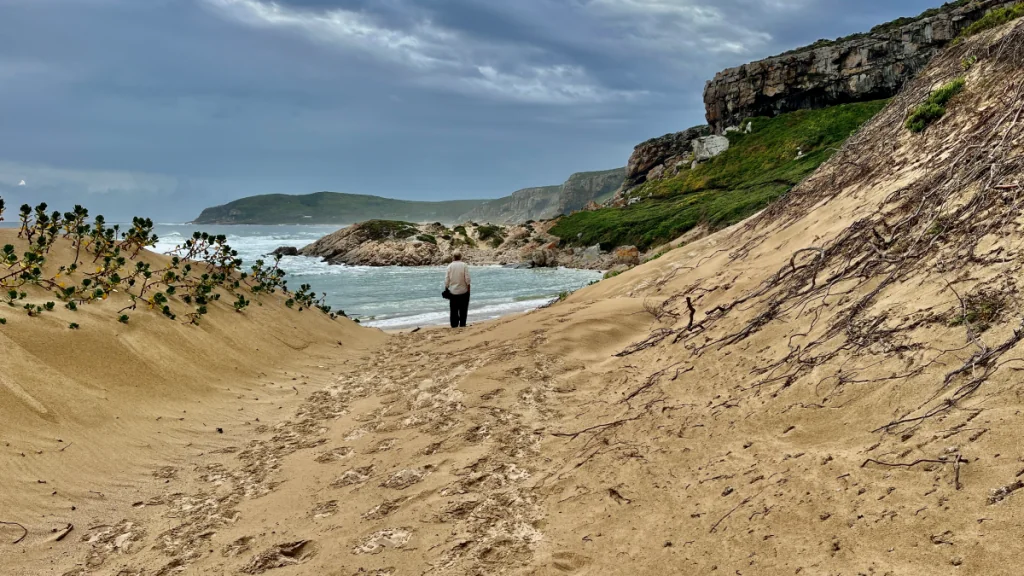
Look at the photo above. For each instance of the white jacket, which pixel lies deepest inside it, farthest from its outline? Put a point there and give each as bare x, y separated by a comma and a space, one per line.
456, 279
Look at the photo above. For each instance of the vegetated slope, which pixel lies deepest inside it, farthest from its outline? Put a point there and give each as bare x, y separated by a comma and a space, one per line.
758, 168
828, 388
332, 208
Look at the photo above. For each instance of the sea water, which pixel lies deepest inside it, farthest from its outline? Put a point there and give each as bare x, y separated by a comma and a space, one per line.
391, 297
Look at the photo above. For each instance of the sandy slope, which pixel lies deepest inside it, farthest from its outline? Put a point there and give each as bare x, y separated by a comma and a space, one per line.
844, 400
95, 419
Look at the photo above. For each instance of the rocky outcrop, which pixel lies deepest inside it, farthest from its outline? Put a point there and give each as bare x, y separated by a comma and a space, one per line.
522, 206
662, 157
859, 68
402, 244
286, 251
585, 187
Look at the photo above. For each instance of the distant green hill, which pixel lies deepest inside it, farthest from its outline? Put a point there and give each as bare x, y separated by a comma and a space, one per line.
332, 208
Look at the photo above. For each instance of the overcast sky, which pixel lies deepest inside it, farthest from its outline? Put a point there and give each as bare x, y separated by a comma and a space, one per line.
164, 107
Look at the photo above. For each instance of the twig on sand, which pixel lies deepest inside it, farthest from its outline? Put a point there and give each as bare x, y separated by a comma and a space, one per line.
575, 435
958, 461
25, 530
714, 527
67, 530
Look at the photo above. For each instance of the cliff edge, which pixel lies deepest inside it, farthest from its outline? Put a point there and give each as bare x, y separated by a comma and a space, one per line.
857, 68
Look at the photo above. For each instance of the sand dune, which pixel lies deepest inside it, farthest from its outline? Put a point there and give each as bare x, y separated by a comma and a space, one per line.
828, 388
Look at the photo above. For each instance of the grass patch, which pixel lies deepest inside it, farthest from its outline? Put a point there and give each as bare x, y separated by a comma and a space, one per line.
993, 19
388, 229
427, 238
934, 107
758, 168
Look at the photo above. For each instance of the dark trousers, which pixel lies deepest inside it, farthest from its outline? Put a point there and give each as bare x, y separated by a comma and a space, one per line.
460, 309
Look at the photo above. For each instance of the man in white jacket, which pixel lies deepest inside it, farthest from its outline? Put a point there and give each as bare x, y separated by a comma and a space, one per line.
456, 281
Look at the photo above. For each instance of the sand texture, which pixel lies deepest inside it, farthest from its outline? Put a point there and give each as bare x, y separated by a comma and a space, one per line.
832, 387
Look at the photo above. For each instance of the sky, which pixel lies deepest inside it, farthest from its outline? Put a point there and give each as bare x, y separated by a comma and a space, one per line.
161, 108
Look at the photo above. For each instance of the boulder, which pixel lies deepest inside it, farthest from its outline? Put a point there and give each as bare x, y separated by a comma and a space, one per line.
707, 147
628, 255
286, 251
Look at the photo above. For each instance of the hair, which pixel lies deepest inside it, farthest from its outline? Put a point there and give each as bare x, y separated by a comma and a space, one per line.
457, 255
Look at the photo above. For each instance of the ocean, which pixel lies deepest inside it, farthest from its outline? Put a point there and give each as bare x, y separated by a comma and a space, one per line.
389, 297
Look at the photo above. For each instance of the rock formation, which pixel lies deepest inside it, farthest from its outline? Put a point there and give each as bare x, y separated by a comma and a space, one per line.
548, 202
585, 187
384, 243
524, 205
707, 147
662, 157
859, 68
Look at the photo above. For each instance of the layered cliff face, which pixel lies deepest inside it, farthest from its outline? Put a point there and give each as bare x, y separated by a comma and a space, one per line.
548, 202
524, 205
583, 188
662, 157
860, 68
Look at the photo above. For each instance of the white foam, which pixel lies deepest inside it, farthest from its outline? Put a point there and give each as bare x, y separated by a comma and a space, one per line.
487, 312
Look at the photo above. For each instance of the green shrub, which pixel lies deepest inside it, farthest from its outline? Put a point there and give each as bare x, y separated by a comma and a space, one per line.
427, 238
388, 229
993, 19
934, 107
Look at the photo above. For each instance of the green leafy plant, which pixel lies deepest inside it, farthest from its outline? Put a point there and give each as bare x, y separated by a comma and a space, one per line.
74, 326
934, 107
429, 239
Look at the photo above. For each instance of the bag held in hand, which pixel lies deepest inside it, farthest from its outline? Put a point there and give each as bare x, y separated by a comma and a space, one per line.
447, 295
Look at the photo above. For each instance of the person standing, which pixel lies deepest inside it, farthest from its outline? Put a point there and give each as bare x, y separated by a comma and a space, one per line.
456, 282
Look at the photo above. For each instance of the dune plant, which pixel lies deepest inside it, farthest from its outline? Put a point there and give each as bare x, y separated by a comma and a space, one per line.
934, 107
106, 260
993, 19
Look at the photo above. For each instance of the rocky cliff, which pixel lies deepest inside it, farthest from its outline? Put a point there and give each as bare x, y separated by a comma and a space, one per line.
583, 188
662, 157
548, 202
524, 205
858, 68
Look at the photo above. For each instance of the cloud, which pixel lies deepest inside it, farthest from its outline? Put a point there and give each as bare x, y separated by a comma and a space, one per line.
677, 25
417, 99
435, 56
21, 183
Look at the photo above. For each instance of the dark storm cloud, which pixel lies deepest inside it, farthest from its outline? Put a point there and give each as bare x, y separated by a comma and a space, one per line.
173, 105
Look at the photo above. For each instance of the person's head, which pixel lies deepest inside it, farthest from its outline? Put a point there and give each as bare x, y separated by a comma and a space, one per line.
456, 256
